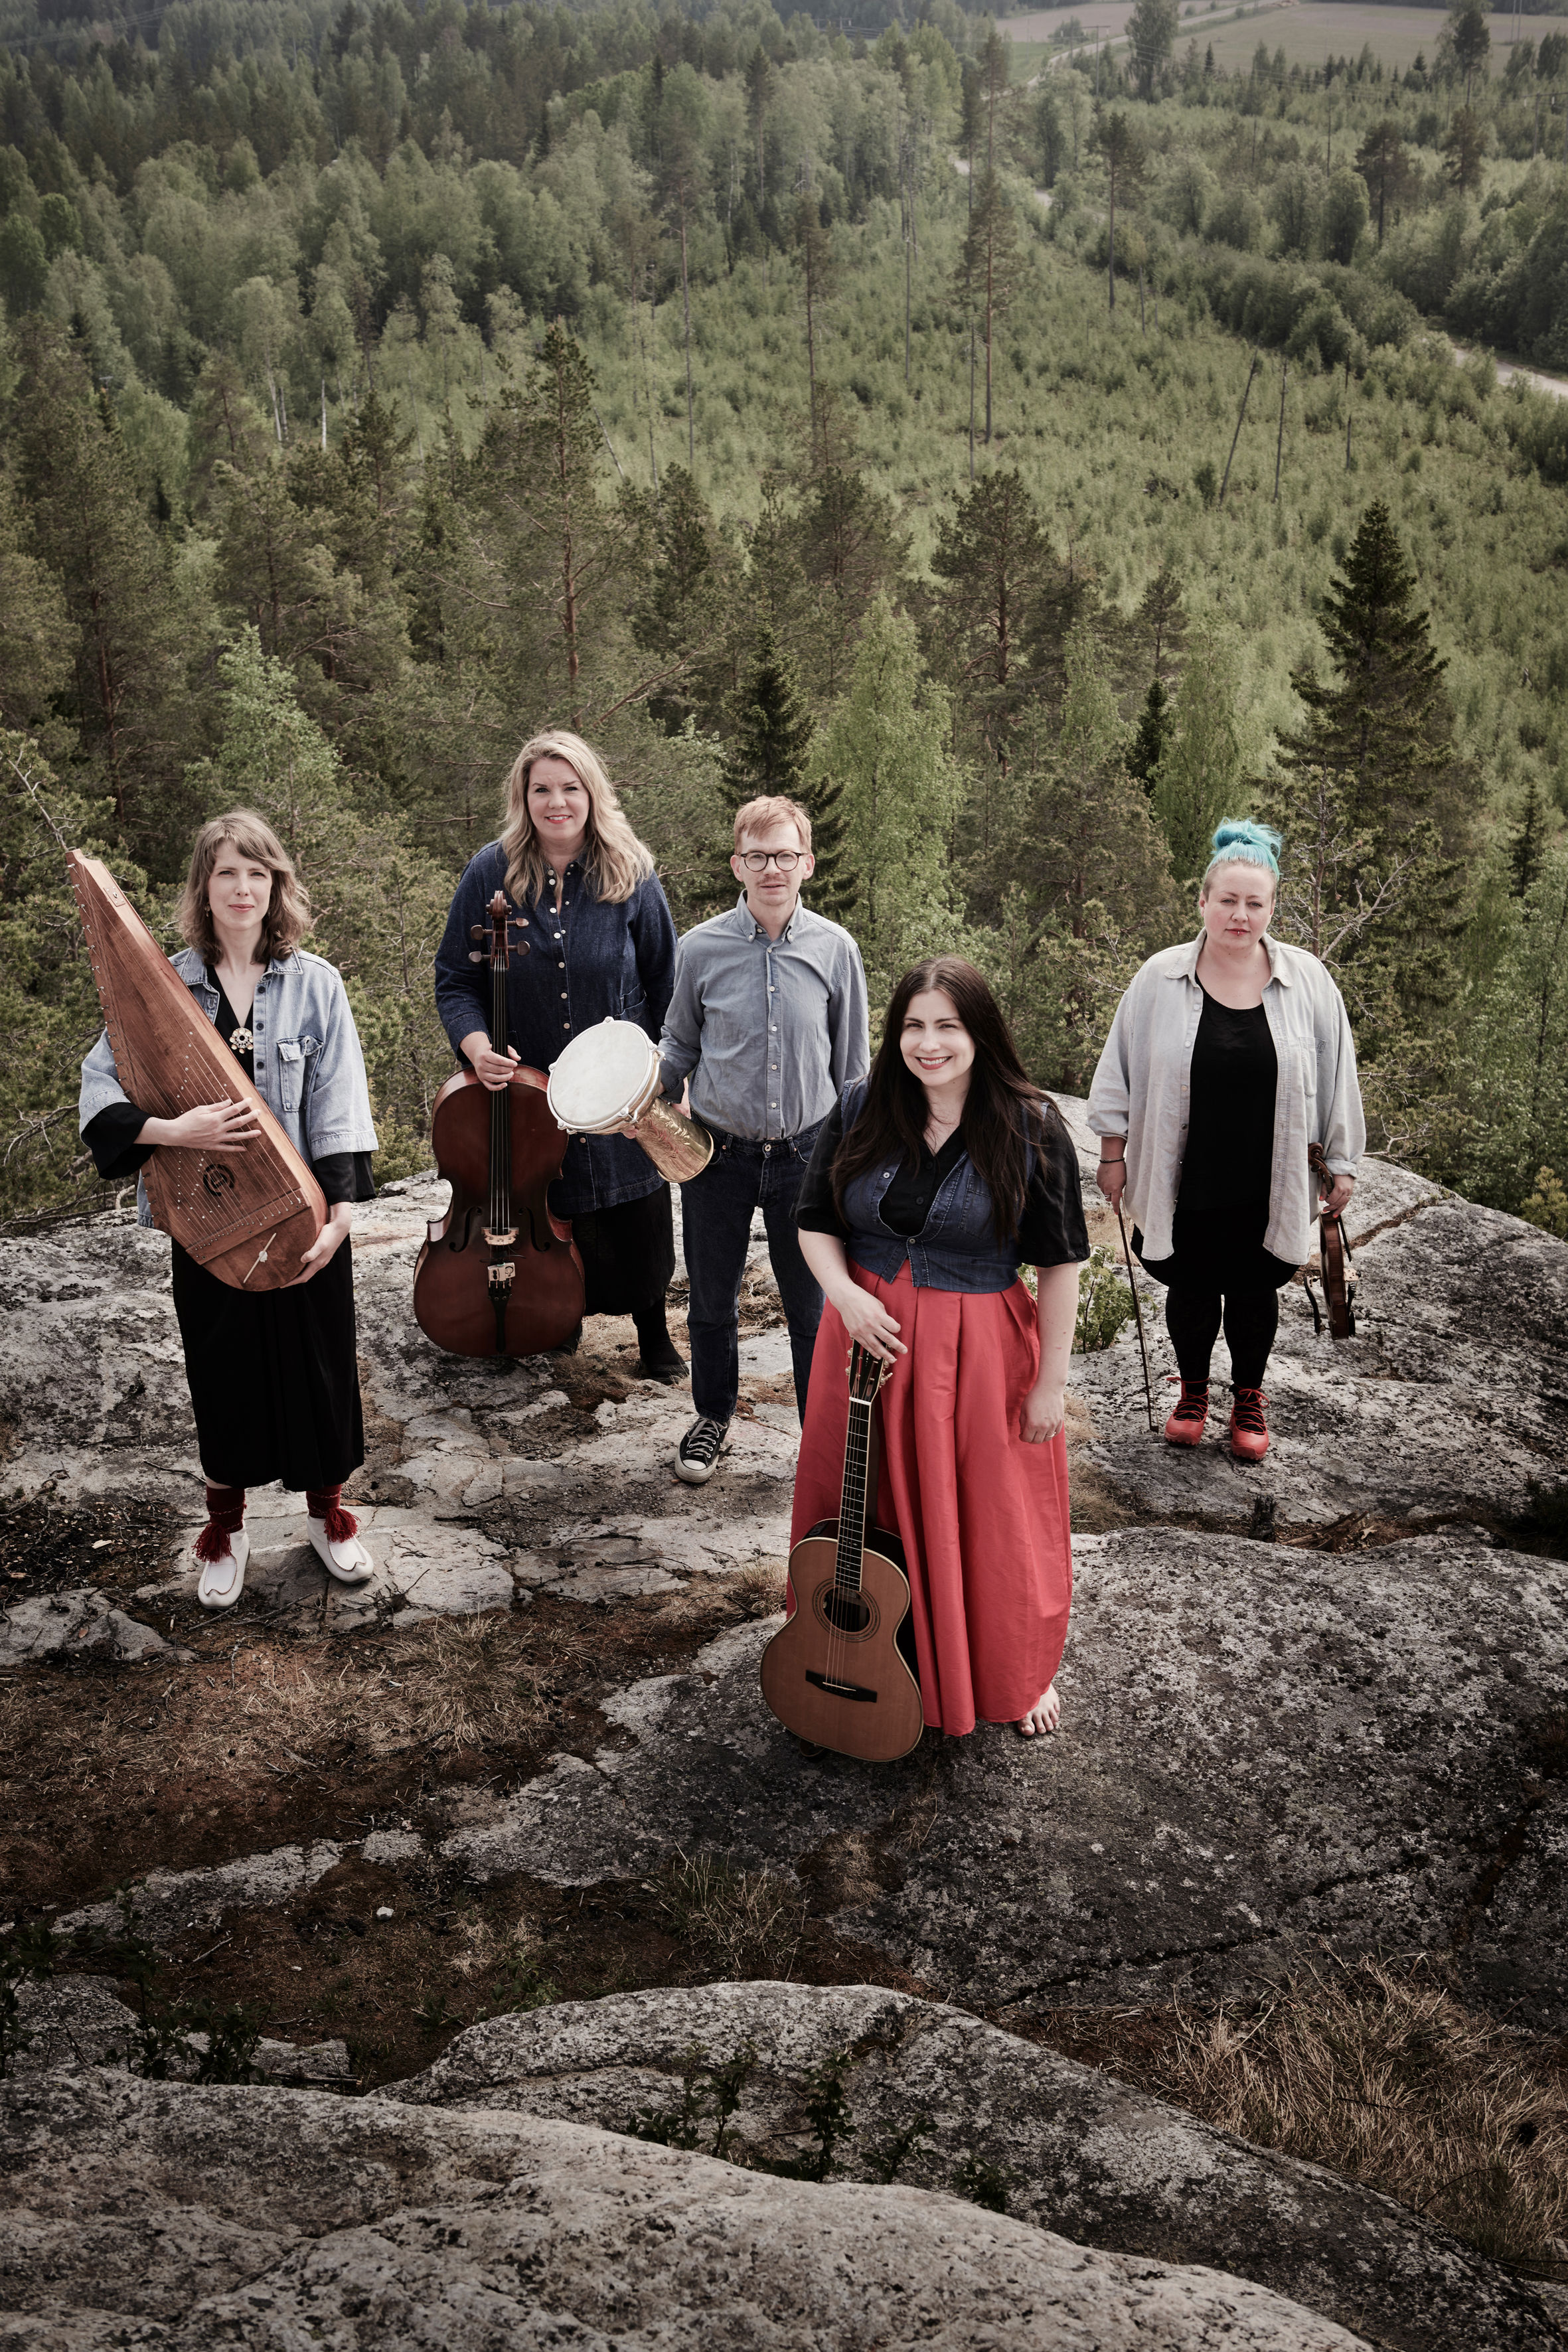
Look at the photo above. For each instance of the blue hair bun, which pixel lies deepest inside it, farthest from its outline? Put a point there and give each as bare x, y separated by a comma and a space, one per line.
1240, 832
1251, 844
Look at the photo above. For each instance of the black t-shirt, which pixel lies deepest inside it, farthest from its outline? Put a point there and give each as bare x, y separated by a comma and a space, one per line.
111, 1135
1050, 1233
1229, 1156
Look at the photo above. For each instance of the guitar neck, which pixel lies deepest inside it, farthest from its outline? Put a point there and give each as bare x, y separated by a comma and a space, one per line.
853, 1500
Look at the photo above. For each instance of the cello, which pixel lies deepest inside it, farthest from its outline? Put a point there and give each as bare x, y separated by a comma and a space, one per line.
498, 1274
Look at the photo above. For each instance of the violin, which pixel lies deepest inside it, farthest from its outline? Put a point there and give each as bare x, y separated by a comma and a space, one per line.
498, 1274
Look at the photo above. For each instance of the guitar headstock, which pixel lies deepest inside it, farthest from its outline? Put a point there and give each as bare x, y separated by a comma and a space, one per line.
867, 1374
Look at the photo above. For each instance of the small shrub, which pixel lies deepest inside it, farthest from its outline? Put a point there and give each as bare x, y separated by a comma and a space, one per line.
1104, 1304
1548, 1204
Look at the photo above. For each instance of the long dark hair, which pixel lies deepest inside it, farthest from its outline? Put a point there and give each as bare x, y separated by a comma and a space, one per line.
1003, 1113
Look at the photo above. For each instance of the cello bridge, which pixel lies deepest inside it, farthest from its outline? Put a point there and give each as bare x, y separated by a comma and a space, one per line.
503, 1240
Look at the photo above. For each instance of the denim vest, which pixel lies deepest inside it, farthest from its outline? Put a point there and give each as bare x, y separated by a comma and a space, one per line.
309, 1070
956, 1249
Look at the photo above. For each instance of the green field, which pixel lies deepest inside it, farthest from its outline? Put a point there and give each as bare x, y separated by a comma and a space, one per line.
1307, 31
1316, 29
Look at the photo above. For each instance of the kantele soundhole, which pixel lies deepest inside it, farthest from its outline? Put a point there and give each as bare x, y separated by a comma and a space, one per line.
855, 1615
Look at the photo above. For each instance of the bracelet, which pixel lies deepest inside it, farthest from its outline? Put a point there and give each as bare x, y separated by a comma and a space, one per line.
1120, 1162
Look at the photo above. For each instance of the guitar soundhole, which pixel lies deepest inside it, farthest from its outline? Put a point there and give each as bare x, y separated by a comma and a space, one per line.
853, 1614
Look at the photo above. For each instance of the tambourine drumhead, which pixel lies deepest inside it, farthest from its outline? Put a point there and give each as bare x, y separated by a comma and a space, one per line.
603, 1077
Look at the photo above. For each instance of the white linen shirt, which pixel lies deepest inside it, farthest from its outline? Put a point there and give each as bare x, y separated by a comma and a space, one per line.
1141, 1089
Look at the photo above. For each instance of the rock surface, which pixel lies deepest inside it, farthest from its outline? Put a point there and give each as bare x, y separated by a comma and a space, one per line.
1258, 1750
80, 1624
1080, 2152
186, 2217
1452, 1397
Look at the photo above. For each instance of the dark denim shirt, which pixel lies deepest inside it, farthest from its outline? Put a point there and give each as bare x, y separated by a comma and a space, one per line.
957, 1248
594, 963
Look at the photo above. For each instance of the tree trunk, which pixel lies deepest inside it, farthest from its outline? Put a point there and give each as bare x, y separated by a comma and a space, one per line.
686, 299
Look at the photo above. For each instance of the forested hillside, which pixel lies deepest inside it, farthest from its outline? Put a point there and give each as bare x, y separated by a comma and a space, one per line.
1028, 475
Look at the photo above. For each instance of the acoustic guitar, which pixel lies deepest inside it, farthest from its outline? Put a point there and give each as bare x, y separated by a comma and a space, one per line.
841, 1673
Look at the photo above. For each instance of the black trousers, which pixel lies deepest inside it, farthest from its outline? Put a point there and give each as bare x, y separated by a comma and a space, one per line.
1251, 1319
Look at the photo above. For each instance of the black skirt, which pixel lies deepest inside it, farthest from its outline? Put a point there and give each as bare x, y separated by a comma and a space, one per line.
274, 1376
1219, 1250
628, 1254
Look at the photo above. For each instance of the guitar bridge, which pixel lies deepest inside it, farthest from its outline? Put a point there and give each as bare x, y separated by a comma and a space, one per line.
840, 1690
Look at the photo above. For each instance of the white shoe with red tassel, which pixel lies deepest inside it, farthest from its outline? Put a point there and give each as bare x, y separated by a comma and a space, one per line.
222, 1577
335, 1540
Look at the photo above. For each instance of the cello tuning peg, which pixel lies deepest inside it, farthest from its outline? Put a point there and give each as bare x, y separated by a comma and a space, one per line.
474, 956
476, 930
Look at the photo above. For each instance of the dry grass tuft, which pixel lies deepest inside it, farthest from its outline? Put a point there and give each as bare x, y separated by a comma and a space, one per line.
747, 1922
1383, 2075
716, 1602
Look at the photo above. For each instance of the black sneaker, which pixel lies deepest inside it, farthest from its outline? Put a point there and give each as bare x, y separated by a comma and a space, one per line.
700, 1450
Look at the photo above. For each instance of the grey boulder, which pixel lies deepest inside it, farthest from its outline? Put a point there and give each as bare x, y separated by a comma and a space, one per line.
169, 2215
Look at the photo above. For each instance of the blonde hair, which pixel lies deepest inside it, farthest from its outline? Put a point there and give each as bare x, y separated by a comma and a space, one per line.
772, 808
612, 854
288, 914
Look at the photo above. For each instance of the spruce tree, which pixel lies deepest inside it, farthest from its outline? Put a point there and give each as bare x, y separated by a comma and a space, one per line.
1528, 844
1153, 733
1374, 803
87, 525
769, 751
1383, 724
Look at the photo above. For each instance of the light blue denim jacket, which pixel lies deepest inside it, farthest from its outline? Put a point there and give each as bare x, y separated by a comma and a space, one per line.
309, 1070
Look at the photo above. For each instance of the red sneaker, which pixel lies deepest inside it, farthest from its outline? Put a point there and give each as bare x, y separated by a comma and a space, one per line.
1186, 1425
1249, 1424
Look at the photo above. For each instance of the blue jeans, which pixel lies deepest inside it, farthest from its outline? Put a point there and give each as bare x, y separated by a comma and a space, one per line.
716, 1211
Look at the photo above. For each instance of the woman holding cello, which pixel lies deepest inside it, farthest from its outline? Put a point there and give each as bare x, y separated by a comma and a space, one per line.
595, 942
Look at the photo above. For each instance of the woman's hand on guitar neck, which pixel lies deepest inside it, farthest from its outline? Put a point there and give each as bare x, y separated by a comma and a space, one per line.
868, 1323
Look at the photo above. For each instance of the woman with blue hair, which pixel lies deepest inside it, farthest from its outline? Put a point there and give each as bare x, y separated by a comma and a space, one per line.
1230, 1055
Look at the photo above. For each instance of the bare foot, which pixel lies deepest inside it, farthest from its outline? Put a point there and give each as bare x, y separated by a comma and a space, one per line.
1044, 1715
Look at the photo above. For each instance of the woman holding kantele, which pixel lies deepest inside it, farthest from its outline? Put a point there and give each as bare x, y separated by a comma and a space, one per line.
273, 1375
933, 1180
1230, 1059
595, 941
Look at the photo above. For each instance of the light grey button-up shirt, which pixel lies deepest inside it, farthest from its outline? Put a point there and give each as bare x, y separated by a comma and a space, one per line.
769, 1031
1141, 1089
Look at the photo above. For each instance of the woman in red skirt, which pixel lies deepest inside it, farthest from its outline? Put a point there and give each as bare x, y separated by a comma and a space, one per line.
932, 1182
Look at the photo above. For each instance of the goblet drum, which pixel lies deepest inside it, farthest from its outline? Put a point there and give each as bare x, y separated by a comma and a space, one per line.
608, 1078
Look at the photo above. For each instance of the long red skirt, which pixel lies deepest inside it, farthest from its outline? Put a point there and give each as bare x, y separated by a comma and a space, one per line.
983, 1518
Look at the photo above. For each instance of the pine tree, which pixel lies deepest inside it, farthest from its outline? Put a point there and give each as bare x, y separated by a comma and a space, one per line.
1161, 621
850, 550
988, 267
556, 549
992, 559
769, 751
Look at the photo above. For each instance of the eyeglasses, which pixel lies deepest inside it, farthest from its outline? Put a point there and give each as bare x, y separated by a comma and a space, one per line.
757, 861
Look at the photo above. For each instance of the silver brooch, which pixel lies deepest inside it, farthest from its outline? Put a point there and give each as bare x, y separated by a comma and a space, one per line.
243, 1041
